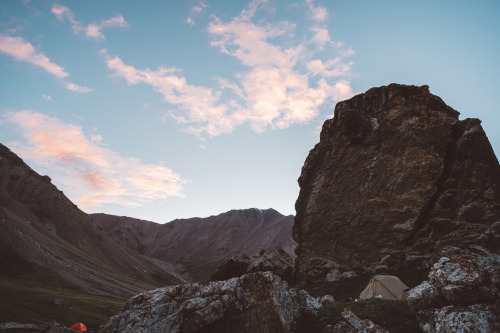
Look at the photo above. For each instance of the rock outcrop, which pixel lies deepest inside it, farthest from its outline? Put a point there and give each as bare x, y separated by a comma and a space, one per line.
459, 297
276, 261
352, 324
256, 302
396, 180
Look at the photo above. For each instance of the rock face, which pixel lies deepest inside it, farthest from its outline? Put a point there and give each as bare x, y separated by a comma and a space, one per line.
396, 180
459, 297
257, 302
276, 261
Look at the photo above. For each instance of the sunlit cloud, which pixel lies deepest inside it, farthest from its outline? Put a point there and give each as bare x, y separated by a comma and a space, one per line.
92, 30
196, 104
195, 11
276, 91
90, 173
22, 50
281, 83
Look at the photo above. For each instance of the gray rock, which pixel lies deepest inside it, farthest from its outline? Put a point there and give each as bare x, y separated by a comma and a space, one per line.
256, 302
279, 262
459, 297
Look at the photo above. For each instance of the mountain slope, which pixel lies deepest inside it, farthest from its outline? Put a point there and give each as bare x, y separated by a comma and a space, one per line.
46, 238
215, 237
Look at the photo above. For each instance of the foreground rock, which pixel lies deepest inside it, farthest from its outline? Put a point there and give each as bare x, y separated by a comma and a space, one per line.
459, 297
396, 180
276, 261
257, 302
352, 324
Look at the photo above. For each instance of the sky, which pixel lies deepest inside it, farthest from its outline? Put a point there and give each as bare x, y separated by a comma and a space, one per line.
175, 109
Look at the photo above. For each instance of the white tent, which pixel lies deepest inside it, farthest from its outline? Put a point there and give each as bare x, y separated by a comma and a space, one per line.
385, 287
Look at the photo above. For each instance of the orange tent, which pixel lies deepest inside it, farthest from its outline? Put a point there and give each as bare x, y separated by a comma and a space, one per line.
78, 327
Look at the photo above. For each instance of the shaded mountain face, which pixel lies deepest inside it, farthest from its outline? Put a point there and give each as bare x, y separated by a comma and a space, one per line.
45, 237
396, 179
235, 232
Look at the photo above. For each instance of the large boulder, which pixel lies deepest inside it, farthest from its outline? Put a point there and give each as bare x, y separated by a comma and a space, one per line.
279, 262
459, 297
257, 302
396, 180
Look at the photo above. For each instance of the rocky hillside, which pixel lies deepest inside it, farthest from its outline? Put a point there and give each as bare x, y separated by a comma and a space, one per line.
47, 239
396, 179
215, 237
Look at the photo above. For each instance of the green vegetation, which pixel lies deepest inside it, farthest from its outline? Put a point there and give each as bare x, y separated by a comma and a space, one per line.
31, 302
200, 271
394, 316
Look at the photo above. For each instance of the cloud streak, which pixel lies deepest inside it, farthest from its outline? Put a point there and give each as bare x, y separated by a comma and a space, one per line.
92, 30
90, 173
22, 50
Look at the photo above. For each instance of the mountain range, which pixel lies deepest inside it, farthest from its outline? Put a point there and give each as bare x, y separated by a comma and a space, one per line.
47, 238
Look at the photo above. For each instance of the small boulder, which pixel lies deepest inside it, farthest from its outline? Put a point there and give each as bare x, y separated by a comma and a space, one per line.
278, 262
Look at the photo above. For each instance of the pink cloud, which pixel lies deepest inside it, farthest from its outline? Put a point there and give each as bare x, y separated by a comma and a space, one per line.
62, 13
281, 84
318, 13
22, 50
93, 30
197, 104
90, 173
195, 11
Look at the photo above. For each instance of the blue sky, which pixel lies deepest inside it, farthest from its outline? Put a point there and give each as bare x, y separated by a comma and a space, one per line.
175, 109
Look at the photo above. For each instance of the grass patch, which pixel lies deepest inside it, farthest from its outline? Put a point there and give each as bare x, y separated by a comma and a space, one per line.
32, 302
200, 271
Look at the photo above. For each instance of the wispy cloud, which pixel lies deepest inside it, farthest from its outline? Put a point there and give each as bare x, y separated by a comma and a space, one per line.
318, 13
47, 97
281, 83
62, 13
92, 30
22, 50
77, 88
89, 172
196, 104
195, 11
